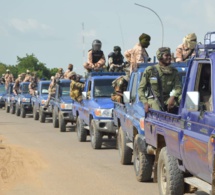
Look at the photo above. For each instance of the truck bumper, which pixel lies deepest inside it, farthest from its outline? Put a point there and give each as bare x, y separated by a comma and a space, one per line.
106, 126
27, 107
68, 116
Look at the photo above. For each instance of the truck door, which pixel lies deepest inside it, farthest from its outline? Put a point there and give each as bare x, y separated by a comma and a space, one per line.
198, 126
85, 112
129, 107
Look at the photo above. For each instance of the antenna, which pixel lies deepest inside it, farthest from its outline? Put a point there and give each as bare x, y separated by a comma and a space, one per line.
120, 26
158, 18
83, 41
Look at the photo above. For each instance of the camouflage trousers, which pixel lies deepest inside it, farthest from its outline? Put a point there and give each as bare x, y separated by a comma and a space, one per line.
116, 98
49, 99
79, 99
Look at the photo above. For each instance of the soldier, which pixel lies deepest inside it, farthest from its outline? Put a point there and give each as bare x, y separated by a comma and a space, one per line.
8, 78
138, 54
51, 91
120, 85
115, 60
76, 88
33, 85
96, 58
16, 85
70, 69
3, 79
162, 82
187, 48
59, 74
28, 76
78, 77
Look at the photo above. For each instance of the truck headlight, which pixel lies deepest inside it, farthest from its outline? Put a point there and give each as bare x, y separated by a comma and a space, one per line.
142, 123
66, 106
43, 101
26, 99
103, 112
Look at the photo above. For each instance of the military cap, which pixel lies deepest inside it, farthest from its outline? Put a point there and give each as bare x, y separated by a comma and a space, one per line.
72, 73
162, 51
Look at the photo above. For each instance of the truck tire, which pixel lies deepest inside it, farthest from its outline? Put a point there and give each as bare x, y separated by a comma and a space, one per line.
35, 113
22, 112
81, 131
96, 137
125, 153
62, 123
143, 163
55, 120
42, 116
12, 109
17, 110
7, 108
170, 177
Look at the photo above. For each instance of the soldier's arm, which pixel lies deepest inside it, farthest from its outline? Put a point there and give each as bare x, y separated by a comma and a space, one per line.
101, 62
179, 55
79, 85
90, 58
143, 86
127, 55
177, 89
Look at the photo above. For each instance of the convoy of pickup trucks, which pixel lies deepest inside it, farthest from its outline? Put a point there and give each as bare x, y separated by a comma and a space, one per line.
176, 149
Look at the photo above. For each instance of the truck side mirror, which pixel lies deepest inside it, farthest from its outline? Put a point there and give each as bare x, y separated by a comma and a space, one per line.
126, 97
84, 95
192, 101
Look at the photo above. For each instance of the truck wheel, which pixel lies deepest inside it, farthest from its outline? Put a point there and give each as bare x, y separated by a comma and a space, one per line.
81, 131
143, 163
35, 113
62, 123
125, 153
170, 177
96, 137
55, 120
17, 110
12, 109
42, 116
22, 112
7, 108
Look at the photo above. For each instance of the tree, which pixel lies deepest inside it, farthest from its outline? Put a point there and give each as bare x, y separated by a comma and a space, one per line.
53, 71
2, 69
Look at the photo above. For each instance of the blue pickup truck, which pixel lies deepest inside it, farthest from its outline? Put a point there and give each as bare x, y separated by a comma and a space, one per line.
9, 97
183, 144
94, 113
2, 94
39, 100
62, 106
22, 103
129, 120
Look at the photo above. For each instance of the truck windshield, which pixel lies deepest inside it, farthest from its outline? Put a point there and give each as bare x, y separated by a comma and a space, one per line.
103, 88
65, 89
2, 88
44, 88
25, 88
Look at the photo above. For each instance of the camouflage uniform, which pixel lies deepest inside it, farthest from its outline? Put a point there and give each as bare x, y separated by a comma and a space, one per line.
187, 49
70, 68
51, 91
170, 83
32, 86
28, 77
16, 85
59, 75
76, 89
8, 79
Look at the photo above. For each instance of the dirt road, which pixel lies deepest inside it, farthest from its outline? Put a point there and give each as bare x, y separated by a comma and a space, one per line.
68, 166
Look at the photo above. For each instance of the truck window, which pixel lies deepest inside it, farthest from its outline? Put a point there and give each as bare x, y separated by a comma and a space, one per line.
89, 89
203, 84
65, 89
2, 88
24, 88
134, 88
44, 88
103, 88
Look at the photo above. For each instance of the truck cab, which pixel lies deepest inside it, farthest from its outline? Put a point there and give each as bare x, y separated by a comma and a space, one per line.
39, 100
2, 94
9, 97
94, 113
183, 144
62, 106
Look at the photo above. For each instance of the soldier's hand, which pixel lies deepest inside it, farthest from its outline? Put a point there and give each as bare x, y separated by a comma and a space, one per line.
171, 103
146, 107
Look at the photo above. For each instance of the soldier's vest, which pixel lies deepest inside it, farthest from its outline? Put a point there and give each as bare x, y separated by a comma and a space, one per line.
96, 55
74, 91
117, 59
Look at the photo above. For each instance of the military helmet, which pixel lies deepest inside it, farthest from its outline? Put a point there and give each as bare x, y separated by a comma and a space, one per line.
96, 45
7, 70
70, 66
162, 51
28, 71
117, 48
72, 73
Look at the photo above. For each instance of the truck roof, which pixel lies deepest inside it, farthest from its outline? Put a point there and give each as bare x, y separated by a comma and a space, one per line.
64, 81
94, 74
45, 82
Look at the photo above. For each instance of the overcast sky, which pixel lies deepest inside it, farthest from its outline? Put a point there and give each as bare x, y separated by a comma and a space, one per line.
52, 30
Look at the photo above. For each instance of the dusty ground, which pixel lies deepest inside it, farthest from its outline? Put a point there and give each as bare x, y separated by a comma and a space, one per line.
37, 159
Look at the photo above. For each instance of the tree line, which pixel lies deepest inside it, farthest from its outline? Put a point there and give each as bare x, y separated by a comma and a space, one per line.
29, 62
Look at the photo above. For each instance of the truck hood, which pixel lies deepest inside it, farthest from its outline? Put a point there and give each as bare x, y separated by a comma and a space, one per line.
105, 103
44, 97
66, 99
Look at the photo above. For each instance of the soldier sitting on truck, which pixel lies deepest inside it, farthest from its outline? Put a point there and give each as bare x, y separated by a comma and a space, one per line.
16, 85
120, 85
76, 88
51, 91
160, 84
28, 76
33, 85
59, 74
115, 60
